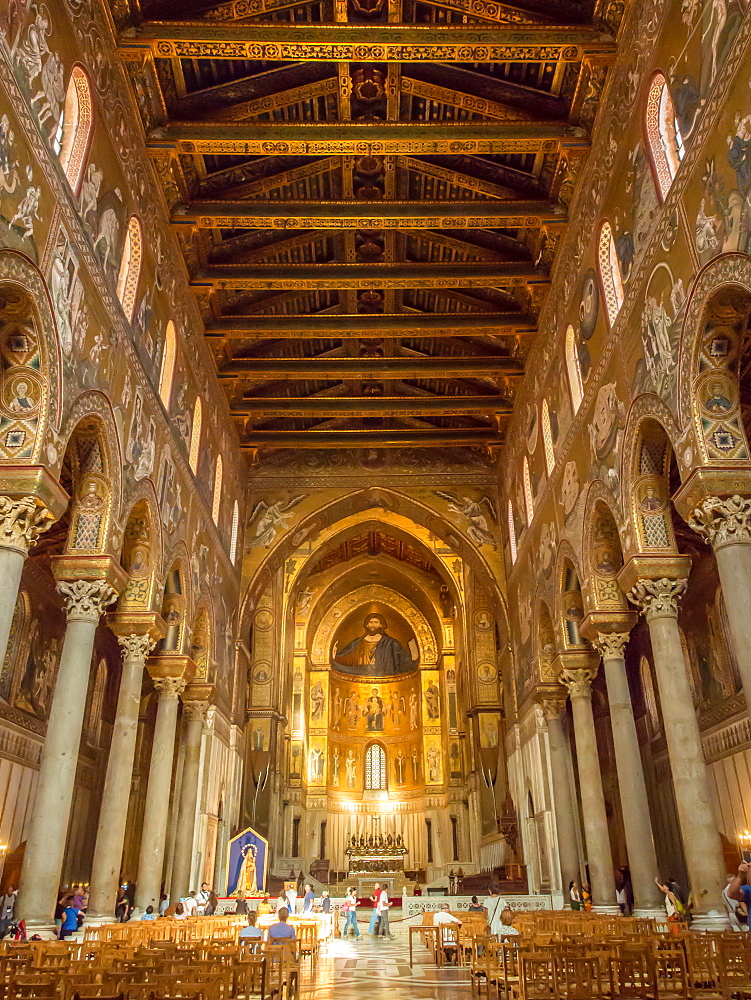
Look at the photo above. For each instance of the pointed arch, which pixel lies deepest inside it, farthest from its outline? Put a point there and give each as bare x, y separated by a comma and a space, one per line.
130, 267
511, 531
195, 436
529, 500
235, 529
573, 368
547, 438
375, 768
76, 127
217, 501
167, 372
610, 273
664, 139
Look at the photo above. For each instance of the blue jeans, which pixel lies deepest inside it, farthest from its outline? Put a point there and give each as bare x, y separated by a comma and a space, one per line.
373, 918
350, 920
384, 929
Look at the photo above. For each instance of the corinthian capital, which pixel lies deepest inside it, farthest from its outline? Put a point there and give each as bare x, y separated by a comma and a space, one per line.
136, 646
658, 598
22, 521
610, 645
722, 521
85, 600
553, 708
195, 711
578, 680
169, 687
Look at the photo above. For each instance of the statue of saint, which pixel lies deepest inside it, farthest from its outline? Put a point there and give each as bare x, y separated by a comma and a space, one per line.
248, 881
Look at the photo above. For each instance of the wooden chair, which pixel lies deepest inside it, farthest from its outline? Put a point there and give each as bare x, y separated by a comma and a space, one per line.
580, 977
538, 979
632, 974
101, 995
249, 977
734, 966
671, 971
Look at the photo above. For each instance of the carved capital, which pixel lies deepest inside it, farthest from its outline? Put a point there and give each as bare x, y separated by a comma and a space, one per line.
578, 681
722, 521
85, 600
658, 598
553, 708
169, 687
610, 645
22, 520
195, 711
136, 647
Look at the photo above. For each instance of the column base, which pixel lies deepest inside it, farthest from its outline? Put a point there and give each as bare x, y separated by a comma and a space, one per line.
610, 911
711, 921
650, 912
97, 919
46, 929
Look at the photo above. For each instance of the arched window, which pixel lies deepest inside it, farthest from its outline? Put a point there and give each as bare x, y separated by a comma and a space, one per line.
529, 501
195, 435
574, 370
610, 274
511, 531
547, 438
75, 127
217, 489
130, 268
167, 373
663, 135
233, 536
375, 767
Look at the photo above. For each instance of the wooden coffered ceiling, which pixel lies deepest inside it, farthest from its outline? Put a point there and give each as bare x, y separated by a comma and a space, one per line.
369, 195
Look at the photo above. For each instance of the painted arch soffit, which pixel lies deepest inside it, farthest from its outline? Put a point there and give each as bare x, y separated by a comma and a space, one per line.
383, 595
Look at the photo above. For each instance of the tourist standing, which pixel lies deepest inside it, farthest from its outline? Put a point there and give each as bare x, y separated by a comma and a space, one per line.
383, 913
70, 919
374, 914
210, 908
307, 903
496, 906
190, 904
242, 903
291, 896
7, 909
349, 909
202, 898
325, 902
574, 895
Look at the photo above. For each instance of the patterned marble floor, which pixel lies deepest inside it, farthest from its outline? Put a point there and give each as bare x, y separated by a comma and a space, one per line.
364, 970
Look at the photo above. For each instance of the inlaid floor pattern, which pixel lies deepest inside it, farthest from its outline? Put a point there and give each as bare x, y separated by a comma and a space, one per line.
358, 971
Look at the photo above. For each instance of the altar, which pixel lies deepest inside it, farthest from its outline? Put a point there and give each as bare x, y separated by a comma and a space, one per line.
376, 858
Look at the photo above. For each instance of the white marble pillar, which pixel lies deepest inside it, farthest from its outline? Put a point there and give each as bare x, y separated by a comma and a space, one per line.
565, 810
21, 522
154, 830
701, 839
113, 812
642, 859
84, 601
195, 714
599, 857
726, 525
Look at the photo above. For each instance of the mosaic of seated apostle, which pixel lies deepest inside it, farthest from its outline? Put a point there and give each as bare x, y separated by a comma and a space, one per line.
375, 653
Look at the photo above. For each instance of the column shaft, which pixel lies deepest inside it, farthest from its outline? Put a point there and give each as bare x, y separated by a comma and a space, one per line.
45, 845
186, 819
642, 858
599, 857
734, 569
153, 833
701, 840
113, 811
565, 806
11, 570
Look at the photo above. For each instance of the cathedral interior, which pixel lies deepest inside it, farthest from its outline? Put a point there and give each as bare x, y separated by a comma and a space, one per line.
375, 402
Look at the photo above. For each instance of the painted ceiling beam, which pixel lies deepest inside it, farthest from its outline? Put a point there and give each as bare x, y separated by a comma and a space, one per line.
327, 406
413, 274
413, 438
368, 42
356, 327
364, 138
367, 369
283, 214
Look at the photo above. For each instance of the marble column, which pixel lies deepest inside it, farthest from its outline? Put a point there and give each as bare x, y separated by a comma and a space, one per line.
113, 812
726, 525
642, 859
154, 830
194, 714
84, 602
578, 680
566, 820
22, 520
701, 840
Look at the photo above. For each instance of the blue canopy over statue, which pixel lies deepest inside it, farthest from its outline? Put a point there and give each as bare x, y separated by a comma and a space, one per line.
247, 855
